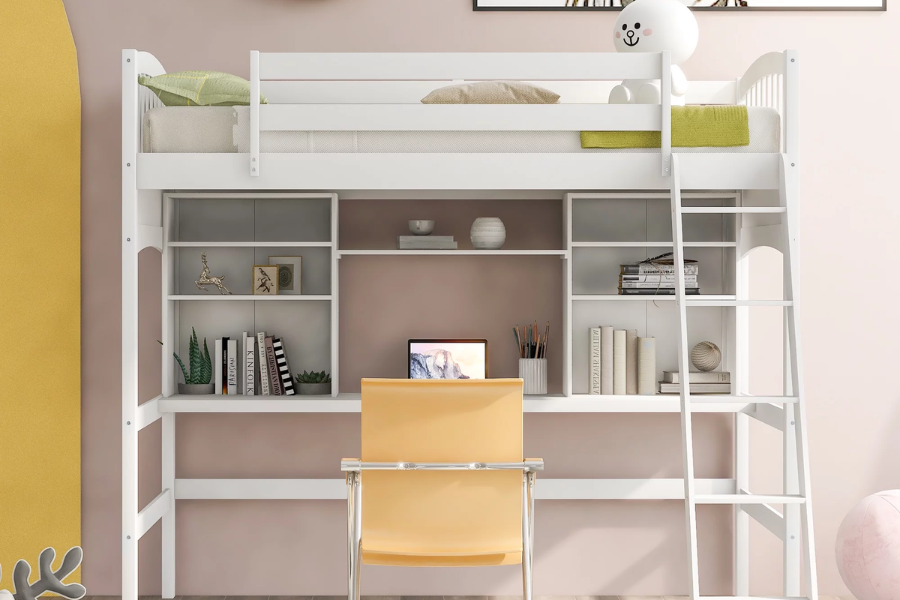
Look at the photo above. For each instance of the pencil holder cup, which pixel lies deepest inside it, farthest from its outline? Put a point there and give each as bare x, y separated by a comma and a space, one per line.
533, 371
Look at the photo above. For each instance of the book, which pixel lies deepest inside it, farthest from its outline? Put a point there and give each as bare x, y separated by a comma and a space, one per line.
655, 278
698, 377
606, 360
595, 360
232, 363
225, 365
691, 267
696, 388
619, 358
218, 360
426, 238
272, 368
263, 370
284, 372
657, 292
250, 366
631, 371
646, 348
663, 285
421, 242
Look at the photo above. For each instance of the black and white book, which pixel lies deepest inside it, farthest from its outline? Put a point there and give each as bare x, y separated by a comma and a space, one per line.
232, 363
249, 366
224, 365
691, 267
696, 388
699, 377
655, 278
637, 285
284, 371
595, 360
421, 242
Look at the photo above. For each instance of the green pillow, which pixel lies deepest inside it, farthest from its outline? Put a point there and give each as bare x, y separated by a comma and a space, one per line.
200, 88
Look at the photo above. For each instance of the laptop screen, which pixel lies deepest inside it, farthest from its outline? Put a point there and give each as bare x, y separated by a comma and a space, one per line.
447, 359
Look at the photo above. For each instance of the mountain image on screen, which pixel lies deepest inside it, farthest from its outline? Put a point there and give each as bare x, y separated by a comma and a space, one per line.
434, 364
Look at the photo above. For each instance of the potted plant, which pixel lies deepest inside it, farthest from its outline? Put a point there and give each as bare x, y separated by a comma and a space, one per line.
198, 380
314, 383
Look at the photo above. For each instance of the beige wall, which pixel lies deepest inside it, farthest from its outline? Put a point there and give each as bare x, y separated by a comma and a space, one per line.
848, 218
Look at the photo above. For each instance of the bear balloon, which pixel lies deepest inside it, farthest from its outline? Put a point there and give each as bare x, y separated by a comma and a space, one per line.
655, 26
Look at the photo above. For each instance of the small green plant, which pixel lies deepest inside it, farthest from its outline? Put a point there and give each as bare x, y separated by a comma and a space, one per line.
306, 377
201, 364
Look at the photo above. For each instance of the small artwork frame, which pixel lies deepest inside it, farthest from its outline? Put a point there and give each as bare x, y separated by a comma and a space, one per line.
265, 280
728, 6
290, 273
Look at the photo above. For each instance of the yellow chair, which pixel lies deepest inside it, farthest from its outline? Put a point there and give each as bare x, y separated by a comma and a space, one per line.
441, 481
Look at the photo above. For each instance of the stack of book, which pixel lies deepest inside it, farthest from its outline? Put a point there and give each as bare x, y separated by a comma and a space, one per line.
426, 242
657, 277
621, 362
702, 382
265, 372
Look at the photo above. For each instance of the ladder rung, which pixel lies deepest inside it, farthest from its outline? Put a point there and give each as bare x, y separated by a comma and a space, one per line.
716, 398
693, 302
748, 499
733, 209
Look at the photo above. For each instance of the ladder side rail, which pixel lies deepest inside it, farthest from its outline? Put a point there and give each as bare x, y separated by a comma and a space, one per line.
741, 420
687, 443
130, 248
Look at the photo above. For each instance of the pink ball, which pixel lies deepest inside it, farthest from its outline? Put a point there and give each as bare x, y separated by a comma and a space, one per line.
868, 547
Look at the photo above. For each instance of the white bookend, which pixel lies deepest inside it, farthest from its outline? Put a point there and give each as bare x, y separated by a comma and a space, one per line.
646, 366
263, 372
631, 370
595, 360
619, 359
218, 360
250, 367
606, 360
232, 367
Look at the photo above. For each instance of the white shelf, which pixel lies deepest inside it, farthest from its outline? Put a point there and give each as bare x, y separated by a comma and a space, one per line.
652, 244
249, 244
579, 403
731, 210
649, 298
249, 298
451, 253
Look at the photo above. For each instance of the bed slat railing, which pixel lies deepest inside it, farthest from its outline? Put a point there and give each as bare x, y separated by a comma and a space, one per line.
410, 67
763, 85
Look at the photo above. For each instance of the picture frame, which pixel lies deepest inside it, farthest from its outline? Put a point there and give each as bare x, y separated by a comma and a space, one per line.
735, 6
289, 273
265, 280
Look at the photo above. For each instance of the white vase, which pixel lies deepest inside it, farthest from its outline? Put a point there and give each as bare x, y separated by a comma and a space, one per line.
487, 233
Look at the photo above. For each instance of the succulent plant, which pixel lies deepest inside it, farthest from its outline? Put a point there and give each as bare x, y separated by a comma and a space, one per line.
320, 377
201, 364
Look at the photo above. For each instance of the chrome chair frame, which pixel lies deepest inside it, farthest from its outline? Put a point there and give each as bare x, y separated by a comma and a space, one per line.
353, 469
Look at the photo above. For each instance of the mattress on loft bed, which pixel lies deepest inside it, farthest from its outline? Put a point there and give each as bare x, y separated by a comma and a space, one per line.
196, 129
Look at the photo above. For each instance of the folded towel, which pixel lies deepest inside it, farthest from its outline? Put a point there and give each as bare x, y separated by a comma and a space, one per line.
692, 127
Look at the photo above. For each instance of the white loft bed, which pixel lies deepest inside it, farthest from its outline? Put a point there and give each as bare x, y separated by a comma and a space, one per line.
350, 94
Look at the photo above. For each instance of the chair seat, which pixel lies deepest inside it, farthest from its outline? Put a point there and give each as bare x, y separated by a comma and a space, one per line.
374, 557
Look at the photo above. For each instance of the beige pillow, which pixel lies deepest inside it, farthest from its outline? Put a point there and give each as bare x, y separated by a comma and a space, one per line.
492, 92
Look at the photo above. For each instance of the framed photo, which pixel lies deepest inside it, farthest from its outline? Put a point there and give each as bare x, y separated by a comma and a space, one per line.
447, 359
719, 5
265, 280
289, 273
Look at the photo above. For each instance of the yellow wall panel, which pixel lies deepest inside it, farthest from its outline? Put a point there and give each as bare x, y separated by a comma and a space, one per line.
40, 293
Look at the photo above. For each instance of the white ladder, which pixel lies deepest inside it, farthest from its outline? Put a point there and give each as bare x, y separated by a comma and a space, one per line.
787, 413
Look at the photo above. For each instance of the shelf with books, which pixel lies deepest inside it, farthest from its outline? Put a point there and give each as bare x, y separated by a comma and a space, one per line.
250, 244
652, 244
248, 298
650, 298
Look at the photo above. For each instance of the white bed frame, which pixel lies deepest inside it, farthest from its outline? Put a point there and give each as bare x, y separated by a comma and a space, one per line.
382, 92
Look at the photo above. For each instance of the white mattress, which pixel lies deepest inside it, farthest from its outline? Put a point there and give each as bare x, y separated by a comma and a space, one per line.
196, 129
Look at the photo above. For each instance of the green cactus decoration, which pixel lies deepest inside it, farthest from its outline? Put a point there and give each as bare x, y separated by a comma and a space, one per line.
201, 364
306, 377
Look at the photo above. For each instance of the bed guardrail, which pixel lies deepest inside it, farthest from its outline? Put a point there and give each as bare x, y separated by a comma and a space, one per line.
771, 82
279, 68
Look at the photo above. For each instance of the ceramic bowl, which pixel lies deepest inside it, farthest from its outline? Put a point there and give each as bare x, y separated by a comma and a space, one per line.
419, 227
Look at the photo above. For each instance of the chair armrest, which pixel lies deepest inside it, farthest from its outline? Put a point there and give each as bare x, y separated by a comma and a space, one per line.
534, 464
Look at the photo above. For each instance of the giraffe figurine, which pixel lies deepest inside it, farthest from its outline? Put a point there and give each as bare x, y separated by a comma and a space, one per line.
206, 279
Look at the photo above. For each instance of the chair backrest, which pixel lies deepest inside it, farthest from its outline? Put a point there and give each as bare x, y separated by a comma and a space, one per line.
442, 513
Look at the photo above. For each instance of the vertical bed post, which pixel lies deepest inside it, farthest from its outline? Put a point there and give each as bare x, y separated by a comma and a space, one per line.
254, 113
335, 298
741, 420
130, 249
567, 296
665, 90
792, 518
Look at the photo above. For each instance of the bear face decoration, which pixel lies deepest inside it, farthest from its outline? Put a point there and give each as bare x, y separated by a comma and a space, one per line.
655, 26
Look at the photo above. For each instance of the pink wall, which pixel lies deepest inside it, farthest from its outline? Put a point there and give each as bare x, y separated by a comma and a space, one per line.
848, 60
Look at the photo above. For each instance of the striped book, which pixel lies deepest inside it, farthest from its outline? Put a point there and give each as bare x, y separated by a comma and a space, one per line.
284, 371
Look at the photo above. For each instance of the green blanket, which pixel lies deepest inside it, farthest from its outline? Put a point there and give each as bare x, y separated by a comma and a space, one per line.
692, 127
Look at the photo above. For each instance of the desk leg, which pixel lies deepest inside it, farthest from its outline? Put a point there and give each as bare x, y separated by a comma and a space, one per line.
168, 519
